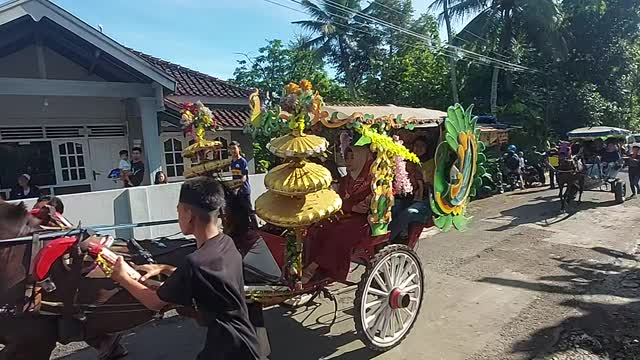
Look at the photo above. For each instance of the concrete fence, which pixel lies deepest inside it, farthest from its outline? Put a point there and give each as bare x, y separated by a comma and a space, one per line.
133, 205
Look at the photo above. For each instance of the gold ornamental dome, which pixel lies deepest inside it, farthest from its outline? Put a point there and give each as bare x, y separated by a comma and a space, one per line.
300, 211
199, 146
207, 167
299, 145
297, 178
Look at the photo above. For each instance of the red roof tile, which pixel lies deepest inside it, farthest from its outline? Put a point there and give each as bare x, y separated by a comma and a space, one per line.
194, 83
226, 116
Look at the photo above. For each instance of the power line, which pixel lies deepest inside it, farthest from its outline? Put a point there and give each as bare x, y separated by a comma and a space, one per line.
448, 40
442, 51
404, 30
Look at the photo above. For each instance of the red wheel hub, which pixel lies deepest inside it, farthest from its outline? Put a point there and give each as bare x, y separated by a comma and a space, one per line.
398, 299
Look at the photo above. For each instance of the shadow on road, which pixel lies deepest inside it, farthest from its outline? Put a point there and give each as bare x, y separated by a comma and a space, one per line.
607, 328
313, 337
545, 212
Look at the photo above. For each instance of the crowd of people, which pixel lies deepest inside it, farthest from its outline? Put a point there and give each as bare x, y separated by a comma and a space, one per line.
603, 159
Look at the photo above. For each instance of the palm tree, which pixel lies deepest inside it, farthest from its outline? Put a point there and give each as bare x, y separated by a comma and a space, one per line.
505, 20
446, 16
336, 37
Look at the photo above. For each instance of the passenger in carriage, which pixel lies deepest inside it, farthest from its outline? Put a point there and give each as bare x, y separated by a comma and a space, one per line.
418, 209
330, 243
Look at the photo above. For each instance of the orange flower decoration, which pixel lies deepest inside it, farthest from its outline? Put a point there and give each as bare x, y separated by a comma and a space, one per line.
293, 88
306, 85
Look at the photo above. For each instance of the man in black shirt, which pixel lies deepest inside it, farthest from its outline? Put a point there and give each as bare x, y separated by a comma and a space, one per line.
137, 168
210, 279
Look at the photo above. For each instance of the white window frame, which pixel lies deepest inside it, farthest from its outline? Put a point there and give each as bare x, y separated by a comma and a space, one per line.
185, 162
58, 165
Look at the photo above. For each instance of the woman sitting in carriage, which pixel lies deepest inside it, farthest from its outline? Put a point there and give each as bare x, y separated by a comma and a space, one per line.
330, 243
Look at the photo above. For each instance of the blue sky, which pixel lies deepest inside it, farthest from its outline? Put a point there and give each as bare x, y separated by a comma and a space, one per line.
205, 35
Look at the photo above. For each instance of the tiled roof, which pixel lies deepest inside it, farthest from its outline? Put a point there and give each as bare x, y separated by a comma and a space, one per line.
194, 83
227, 116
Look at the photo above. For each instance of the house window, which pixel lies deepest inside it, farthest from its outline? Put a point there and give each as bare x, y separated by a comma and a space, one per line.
71, 157
174, 163
223, 152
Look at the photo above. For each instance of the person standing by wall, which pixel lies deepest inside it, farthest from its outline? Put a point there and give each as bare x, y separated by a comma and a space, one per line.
136, 174
25, 190
161, 178
240, 170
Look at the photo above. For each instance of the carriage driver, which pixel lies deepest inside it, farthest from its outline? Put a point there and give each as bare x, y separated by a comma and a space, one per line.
210, 280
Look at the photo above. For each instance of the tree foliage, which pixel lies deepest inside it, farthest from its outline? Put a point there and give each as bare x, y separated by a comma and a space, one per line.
586, 56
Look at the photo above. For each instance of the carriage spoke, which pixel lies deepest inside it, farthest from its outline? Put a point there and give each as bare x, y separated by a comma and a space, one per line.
381, 282
375, 314
400, 271
385, 323
387, 275
408, 312
411, 288
407, 281
379, 319
376, 292
398, 316
392, 322
373, 303
392, 272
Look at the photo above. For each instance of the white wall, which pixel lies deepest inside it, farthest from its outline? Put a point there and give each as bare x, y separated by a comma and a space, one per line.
134, 205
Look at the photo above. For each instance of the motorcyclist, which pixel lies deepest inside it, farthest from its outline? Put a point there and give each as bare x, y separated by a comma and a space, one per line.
512, 163
549, 160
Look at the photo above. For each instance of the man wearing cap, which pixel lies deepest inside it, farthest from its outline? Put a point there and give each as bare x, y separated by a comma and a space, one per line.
25, 190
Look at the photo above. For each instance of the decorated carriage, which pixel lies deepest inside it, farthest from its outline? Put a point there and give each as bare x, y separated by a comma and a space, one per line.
601, 174
300, 201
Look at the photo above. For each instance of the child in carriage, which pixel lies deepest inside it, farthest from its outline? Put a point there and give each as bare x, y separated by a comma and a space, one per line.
418, 210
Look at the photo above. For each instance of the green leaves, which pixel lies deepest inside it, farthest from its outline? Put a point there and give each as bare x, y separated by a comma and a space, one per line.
364, 140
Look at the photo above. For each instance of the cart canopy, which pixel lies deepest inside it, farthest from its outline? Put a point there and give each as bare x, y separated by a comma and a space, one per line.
597, 132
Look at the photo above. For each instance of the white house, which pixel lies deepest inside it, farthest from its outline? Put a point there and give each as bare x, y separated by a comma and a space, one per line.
71, 98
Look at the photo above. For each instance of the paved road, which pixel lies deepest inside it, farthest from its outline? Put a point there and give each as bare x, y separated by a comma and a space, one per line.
505, 289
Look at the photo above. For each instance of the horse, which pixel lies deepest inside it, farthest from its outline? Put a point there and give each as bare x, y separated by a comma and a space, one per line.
570, 174
82, 305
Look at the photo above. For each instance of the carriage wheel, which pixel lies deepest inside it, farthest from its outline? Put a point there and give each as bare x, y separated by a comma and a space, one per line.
389, 297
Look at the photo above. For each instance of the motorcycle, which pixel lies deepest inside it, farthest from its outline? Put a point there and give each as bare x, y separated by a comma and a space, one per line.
511, 179
532, 174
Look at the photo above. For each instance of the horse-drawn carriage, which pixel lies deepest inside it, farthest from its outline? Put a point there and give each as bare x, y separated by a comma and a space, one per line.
68, 293
598, 153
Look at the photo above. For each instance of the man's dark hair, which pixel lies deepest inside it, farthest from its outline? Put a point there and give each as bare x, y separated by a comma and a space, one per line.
234, 143
205, 194
635, 147
53, 201
124, 152
136, 148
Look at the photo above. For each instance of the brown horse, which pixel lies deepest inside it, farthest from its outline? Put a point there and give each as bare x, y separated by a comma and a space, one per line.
570, 174
84, 304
